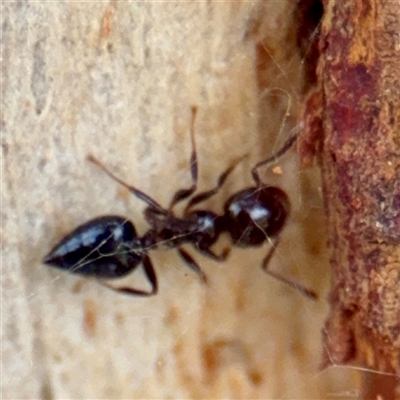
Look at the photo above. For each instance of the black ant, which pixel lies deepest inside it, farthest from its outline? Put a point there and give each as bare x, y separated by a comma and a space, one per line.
109, 247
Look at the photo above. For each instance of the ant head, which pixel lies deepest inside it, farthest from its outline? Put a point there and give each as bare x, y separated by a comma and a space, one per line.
255, 214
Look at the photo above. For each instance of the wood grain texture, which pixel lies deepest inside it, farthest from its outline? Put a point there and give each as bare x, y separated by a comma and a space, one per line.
117, 80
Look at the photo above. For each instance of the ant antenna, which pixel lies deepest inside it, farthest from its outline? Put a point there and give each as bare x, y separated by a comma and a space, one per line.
270, 160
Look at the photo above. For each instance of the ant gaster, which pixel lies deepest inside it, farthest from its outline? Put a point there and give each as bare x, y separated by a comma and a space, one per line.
109, 247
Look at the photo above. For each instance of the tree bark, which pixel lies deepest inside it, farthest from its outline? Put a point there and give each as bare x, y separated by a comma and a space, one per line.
353, 128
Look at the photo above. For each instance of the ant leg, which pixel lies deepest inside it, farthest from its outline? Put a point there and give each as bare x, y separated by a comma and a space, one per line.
192, 264
302, 289
286, 146
151, 277
136, 192
185, 193
217, 257
209, 193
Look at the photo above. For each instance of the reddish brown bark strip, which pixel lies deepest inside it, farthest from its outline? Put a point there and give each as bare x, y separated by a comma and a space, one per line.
353, 127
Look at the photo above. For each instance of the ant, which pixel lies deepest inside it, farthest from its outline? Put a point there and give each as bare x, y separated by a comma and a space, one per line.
109, 247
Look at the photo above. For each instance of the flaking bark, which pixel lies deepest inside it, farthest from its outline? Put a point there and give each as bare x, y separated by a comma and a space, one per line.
353, 128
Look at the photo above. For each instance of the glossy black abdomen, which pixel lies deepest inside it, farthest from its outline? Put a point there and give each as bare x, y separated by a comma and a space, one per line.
106, 247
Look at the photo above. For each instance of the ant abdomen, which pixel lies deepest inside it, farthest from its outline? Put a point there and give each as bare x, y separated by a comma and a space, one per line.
103, 247
256, 214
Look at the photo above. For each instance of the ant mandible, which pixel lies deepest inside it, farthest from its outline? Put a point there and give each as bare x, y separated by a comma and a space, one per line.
108, 247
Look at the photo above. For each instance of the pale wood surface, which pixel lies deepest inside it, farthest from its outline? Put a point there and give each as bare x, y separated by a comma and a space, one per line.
117, 80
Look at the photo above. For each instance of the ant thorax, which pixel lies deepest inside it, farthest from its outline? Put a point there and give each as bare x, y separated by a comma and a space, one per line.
201, 226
